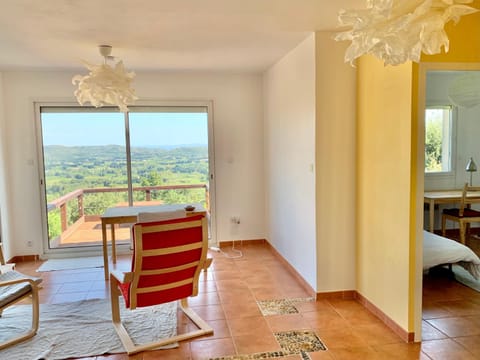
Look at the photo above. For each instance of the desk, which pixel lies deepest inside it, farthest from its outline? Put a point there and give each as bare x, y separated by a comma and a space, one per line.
128, 215
443, 197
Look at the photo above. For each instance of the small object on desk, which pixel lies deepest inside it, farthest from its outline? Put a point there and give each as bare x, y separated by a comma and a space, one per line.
189, 208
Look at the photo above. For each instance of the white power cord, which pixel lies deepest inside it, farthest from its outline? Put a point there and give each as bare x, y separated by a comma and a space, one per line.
239, 252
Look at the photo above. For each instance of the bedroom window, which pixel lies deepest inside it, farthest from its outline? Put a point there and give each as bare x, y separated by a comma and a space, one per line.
438, 139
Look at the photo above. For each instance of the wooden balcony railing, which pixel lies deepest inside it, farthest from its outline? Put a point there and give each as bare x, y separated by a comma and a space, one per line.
62, 202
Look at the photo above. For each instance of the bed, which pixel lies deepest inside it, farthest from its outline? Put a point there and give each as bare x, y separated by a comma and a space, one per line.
438, 250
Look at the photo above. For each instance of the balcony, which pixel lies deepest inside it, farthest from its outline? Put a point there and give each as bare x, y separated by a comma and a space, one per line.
74, 222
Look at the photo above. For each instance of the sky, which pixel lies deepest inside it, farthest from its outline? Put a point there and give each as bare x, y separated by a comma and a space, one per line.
146, 129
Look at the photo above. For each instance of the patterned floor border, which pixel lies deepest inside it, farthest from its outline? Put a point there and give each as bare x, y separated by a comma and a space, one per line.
281, 306
296, 342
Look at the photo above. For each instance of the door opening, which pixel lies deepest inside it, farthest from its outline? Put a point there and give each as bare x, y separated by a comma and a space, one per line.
93, 159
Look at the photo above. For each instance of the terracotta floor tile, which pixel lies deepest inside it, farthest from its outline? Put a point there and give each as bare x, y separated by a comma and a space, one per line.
401, 351
318, 305
433, 310
346, 307
376, 334
208, 298
228, 292
220, 330
241, 310
228, 274
321, 355
446, 349
225, 285
340, 338
461, 307
249, 344
235, 296
267, 293
240, 326
361, 317
209, 312
456, 326
363, 353
181, 353
323, 321
287, 322
204, 349
430, 332
471, 343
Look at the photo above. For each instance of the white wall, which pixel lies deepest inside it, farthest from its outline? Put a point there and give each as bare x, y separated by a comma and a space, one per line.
289, 95
467, 133
3, 137
238, 128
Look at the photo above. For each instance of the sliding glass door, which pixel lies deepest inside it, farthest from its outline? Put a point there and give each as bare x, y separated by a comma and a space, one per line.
94, 159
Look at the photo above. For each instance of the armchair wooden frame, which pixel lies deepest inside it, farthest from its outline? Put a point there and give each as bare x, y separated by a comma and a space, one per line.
14, 287
146, 284
464, 215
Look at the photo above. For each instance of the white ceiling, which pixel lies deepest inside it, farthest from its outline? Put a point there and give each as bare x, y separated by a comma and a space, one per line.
241, 35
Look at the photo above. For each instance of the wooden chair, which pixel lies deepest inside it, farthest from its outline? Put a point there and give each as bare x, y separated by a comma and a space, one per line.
14, 287
4, 266
167, 259
464, 215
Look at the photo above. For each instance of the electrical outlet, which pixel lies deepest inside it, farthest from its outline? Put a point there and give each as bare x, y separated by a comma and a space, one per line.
235, 220
30, 243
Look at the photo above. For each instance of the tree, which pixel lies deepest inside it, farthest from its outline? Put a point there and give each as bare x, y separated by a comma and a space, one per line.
433, 144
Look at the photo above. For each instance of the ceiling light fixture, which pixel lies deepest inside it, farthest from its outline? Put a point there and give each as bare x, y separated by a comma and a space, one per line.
464, 90
397, 31
105, 85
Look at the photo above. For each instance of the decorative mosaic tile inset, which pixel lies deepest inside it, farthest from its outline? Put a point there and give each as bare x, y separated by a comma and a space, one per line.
263, 355
299, 342
280, 306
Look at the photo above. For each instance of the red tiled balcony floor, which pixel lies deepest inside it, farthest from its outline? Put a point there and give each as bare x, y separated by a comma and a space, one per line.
90, 233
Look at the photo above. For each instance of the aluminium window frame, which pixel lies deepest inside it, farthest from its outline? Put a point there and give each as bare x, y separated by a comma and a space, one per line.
453, 141
144, 104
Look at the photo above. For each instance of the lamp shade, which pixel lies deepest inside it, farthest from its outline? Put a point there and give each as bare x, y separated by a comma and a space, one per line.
471, 166
465, 90
105, 85
397, 31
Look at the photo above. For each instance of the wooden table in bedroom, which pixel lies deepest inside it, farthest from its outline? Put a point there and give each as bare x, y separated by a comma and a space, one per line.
128, 215
443, 197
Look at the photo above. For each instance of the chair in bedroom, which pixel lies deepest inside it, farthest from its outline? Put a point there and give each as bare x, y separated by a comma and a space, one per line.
464, 215
15, 286
168, 256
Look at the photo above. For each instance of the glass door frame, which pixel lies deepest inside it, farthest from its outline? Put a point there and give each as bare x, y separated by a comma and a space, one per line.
96, 249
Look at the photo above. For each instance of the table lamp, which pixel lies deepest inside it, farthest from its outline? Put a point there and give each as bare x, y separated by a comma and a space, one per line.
471, 168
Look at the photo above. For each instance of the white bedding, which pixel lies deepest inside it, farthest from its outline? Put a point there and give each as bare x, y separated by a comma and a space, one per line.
438, 250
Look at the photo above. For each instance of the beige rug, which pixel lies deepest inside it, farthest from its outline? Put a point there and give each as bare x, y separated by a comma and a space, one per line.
83, 328
71, 263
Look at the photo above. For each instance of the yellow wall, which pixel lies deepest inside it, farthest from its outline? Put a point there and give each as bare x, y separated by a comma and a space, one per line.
464, 40
383, 188
464, 48
389, 185
335, 166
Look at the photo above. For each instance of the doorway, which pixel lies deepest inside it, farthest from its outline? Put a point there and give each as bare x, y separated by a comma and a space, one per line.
93, 159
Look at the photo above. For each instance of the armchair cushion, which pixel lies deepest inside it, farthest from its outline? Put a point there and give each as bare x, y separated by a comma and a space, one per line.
14, 285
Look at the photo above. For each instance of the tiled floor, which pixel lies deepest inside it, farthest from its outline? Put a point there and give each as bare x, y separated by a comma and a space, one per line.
228, 297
